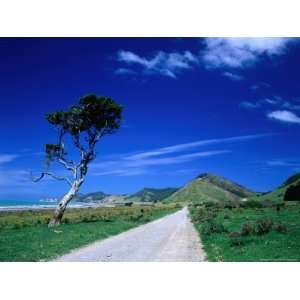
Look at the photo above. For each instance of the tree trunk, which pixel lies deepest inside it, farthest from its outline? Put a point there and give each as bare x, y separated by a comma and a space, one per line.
62, 205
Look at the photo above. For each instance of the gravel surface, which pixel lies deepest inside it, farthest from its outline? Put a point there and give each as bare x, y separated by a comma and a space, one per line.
172, 238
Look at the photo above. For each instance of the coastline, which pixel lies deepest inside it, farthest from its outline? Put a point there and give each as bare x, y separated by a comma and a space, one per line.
44, 207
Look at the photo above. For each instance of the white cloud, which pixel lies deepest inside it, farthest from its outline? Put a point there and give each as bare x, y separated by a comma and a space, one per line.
260, 85
249, 105
241, 52
233, 76
225, 53
275, 101
187, 146
139, 163
125, 167
282, 163
165, 64
5, 158
284, 116
125, 71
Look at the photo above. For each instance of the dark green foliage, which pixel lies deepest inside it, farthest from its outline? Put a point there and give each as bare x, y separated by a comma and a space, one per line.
236, 238
92, 113
251, 204
212, 226
281, 228
292, 193
247, 229
94, 117
263, 226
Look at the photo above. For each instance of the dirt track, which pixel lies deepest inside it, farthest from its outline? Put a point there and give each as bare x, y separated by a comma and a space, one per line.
172, 238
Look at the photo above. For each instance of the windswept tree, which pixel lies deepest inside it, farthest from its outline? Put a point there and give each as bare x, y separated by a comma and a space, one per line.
84, 125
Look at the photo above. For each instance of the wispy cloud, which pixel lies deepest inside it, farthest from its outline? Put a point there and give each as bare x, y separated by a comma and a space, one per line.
260, 85
275, 101
188, 146
241, 52
139, 163
130, 167
282, 163
284, 116
233, 76
162, 63
249, 105
5, 158
125, 71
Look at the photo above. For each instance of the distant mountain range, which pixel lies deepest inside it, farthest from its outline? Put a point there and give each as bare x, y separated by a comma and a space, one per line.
206, 187
144, 195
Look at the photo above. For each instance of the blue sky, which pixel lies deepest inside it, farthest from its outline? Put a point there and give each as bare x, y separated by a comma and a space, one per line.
221, 105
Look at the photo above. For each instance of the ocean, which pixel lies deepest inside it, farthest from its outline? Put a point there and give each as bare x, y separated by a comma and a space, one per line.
33, 204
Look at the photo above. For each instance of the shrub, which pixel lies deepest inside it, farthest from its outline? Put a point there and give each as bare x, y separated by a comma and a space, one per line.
199, 214
236, 238
230, 205
251, 204
281, 228
212, 226
263, 226
247, 229
17, 226
66, 220
226, 217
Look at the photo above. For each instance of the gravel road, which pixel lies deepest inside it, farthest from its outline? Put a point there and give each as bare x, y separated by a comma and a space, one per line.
169, 239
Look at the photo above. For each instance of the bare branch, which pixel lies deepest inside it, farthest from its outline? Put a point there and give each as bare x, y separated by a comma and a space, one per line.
43, 174
63, 162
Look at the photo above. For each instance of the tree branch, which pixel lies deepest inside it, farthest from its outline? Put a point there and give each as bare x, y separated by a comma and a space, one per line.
43, 174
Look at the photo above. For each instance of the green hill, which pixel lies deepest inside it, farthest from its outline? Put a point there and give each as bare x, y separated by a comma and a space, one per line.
210, 188
144, 195
91, 197
278, 194
151, 195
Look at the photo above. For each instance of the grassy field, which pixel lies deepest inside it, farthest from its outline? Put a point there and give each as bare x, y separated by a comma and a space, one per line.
24, 236
249, 234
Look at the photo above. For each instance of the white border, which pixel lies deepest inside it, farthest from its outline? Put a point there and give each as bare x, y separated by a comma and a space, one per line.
149, 18
149, 281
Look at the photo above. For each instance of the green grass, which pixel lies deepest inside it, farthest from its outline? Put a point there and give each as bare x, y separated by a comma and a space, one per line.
24, 236
273, 246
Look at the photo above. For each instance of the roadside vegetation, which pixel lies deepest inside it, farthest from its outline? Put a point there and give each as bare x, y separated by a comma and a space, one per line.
25, 236
249, 231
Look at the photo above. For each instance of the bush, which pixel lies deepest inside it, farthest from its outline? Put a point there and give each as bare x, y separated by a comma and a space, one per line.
251, 204
231, 204
17, 226
236, 238
199, 214
226, 217
66, 220
281, 228
263, 226
212, 226
247, 229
